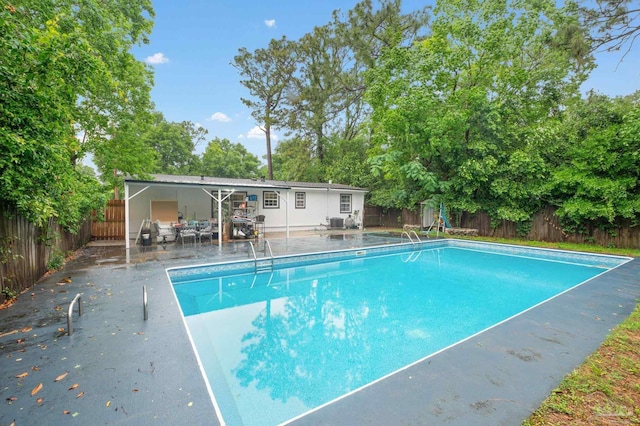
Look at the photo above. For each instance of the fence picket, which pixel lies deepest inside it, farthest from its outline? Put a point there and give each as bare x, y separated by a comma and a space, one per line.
25, 251
112, 228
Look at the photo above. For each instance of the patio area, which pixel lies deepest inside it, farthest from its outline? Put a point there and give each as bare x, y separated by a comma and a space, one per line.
118, 368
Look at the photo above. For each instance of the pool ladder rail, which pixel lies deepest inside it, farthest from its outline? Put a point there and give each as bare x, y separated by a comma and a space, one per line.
78, 299
408, 234
267, 246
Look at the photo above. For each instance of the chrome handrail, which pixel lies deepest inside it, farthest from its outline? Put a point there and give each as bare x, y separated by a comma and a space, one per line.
145, 304
416, 234
78, 298
408, 236
267, 245
255, 258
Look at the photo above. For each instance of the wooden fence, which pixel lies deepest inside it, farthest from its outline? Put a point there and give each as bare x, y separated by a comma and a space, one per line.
26, 250
112, 227
544, 227
389, 218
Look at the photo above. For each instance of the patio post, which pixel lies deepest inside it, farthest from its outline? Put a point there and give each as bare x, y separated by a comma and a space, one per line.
127, 243
220, 221
219, 199
286, 212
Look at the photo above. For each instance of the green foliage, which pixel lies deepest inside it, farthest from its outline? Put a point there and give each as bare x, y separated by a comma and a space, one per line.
471, 112
65, 69
56, 260
294, 160
598, 183
172, 145
222, 158
615, 24
8, 293
346, 162
267, 74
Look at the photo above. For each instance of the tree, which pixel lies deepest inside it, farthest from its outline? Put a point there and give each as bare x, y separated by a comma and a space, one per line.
65, 69
614, 23
597, 182
267, 74
346, 162
222, 158
326, 96
369, 31
317, 96
473, 105
294, 160
174, 145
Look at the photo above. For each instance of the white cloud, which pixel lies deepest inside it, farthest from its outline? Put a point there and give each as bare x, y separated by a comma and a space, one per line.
220, 116
240, 136
257, 133
157, 58
271, 23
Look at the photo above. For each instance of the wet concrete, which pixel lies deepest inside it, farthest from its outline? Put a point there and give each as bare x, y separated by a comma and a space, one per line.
119, 369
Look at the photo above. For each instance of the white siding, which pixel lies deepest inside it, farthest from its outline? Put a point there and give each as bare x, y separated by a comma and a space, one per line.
194, 203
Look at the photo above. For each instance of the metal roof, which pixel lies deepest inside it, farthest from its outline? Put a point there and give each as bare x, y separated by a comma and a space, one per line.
238, 183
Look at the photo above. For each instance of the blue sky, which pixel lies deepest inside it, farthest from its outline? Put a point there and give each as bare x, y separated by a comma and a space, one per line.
194, 41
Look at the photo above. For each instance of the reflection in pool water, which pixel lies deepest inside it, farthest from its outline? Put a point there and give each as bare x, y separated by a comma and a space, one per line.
279, 343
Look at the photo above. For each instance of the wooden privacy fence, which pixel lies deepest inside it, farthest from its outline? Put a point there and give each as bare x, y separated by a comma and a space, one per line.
544, 227
112, 227
26, 249
389, 218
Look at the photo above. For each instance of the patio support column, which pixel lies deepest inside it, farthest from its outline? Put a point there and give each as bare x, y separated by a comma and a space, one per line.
219, 199
127, 199
286, 211
220, 221
127, 243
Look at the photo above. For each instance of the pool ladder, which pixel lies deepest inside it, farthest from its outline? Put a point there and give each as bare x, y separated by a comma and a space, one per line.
267, 246
408, 234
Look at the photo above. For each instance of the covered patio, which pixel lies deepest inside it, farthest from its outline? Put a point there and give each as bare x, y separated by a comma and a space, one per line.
255, 204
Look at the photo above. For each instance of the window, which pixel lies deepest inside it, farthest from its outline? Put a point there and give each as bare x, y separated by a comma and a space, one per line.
301, 200
270, 200
345, 203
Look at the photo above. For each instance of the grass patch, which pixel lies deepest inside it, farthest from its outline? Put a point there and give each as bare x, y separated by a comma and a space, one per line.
588, 248
604, 389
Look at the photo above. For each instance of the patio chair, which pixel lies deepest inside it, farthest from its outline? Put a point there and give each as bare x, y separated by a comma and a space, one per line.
207, 232
164, 232
188, 232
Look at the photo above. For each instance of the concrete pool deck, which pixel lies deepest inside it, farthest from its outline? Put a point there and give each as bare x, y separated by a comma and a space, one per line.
121, 369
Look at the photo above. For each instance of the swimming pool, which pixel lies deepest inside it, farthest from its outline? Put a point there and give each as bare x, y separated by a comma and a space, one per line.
276, 344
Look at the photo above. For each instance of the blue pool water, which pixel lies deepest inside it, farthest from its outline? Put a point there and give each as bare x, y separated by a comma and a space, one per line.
279, 343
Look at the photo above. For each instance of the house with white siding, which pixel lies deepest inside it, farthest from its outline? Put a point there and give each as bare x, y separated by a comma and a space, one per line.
283, 206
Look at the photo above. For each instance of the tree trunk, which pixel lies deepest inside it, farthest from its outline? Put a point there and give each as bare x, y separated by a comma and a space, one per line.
267, 132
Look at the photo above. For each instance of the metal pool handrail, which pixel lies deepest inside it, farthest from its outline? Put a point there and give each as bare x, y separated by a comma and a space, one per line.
255, 258
267, 245
416, 234
145, 304
78, 298
408, 236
